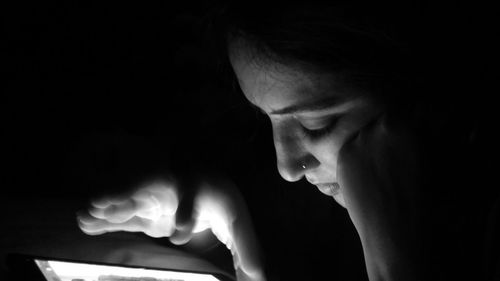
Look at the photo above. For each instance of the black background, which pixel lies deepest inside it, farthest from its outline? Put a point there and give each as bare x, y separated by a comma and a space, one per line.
99, 94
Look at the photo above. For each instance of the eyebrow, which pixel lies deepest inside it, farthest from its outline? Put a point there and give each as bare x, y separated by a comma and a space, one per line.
309, 106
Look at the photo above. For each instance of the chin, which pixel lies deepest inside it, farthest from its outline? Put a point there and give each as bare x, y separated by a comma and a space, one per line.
339, 197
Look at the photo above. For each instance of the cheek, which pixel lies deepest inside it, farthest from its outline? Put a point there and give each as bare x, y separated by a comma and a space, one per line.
327, 150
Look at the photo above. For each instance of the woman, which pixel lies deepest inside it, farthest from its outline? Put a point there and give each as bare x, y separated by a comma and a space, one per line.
352, 108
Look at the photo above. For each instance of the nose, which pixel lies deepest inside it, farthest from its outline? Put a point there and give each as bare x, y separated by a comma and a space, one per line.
293, 159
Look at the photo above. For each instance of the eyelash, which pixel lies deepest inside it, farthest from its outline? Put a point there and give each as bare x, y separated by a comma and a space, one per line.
317, 133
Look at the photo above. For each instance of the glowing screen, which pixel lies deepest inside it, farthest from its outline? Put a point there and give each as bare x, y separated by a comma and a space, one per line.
69, 271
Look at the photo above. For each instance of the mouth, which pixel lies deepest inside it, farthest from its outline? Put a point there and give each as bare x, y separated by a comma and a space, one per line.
330, 189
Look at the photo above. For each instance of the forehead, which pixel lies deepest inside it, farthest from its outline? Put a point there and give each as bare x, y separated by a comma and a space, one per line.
272, 86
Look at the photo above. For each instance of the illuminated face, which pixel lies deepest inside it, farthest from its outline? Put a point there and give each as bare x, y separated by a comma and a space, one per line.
312, 116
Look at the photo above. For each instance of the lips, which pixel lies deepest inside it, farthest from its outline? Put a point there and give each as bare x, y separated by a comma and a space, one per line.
330, 189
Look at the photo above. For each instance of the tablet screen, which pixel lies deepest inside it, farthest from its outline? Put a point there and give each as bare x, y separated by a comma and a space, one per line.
70, 271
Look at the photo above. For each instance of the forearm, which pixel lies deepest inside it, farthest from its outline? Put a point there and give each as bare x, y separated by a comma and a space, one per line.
390, 258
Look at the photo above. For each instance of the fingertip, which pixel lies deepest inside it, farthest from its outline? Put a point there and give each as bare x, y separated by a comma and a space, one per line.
97, 212
84, 217
179, 241
181, 237
79, 223
100, 202
92, 233
183, 231
83, 227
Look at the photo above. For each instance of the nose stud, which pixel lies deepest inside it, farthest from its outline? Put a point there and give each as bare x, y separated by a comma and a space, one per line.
303, 166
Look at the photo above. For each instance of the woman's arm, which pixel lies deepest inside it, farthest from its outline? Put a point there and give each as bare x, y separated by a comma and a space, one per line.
379, 177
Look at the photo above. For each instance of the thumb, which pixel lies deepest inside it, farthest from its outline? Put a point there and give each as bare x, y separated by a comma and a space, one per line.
242, 276
247, 254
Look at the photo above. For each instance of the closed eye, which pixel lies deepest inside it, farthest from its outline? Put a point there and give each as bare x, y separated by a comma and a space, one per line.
320, 129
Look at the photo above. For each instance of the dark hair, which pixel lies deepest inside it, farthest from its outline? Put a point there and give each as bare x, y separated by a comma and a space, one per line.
365, 43
406, 53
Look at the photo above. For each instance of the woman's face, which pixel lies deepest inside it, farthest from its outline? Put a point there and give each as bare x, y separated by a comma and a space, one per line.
312, 116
